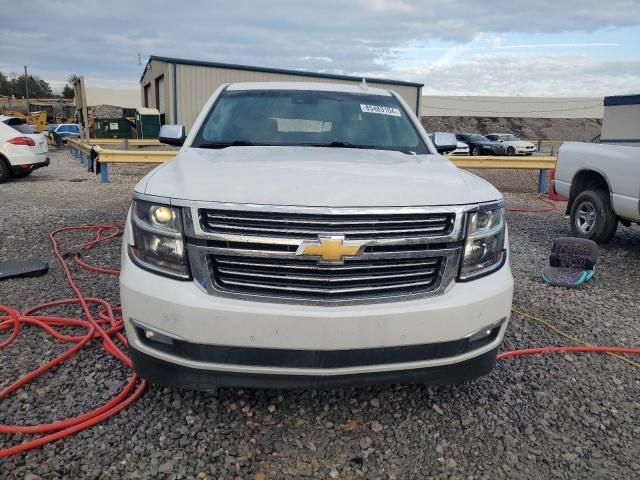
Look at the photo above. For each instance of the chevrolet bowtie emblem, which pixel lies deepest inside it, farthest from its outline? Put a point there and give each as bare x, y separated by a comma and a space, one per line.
330, 249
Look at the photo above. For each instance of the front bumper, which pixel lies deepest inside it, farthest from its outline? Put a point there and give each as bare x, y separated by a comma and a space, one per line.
208, 340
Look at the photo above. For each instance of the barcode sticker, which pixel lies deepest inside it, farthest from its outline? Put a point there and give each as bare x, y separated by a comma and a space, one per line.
381, 110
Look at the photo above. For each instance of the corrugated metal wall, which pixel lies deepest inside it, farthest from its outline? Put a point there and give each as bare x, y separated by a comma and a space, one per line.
533, 107
154, 71
197, 83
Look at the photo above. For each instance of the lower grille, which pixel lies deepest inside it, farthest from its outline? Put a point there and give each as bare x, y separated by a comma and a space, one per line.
302, 278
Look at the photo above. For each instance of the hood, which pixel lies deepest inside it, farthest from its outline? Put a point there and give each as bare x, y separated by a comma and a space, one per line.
314, 176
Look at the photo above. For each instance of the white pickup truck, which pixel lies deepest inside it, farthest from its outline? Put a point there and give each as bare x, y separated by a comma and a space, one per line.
312, 235
602, 183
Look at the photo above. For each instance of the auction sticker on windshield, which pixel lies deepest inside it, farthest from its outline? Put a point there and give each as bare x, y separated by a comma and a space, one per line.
380, 109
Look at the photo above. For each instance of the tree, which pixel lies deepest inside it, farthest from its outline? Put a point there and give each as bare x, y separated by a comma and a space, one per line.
5, 85
67, 92
38, 88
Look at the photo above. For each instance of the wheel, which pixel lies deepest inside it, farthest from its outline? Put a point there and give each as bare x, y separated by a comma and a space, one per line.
511, 151
475, 151
5, 173
592, 216
22, 174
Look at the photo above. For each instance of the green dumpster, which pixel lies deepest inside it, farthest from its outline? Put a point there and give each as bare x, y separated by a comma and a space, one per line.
112, 128
148, 122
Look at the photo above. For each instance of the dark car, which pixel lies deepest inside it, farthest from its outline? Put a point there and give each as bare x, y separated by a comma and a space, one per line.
480, 145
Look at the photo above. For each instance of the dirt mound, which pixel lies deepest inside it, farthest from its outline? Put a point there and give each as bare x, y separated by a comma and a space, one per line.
575, 129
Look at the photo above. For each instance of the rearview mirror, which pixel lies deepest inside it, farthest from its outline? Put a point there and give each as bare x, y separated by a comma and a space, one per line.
444, 142
172, 135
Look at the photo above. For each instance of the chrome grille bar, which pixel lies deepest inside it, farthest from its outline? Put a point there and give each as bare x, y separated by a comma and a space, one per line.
310, 225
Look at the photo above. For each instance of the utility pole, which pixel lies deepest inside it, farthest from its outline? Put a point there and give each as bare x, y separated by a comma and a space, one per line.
26, 84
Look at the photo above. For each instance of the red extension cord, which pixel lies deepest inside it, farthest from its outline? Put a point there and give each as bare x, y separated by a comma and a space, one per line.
106, 328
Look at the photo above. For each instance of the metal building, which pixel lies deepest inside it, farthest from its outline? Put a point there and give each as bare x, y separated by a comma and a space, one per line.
621, 122
179, 88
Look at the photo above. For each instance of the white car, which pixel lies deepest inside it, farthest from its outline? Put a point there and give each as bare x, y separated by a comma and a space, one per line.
21, 149
461, 149
602, 183
512, 144
311, 235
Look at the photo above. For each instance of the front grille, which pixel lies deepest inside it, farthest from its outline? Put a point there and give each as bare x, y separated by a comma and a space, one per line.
309, 226
302, 278
253, 252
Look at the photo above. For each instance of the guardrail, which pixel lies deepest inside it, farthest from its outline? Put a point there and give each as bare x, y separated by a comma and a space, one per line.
126, 142
107, 156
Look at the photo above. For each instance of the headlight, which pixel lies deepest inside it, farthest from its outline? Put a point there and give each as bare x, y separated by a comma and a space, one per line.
158, 244
484, 248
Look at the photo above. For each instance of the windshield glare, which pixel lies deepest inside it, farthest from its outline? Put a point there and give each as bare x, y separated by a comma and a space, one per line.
302, 117
478, 138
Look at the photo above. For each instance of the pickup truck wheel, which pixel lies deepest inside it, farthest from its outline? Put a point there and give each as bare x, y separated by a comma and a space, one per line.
511, 151
592, 216
475, 151
5, 173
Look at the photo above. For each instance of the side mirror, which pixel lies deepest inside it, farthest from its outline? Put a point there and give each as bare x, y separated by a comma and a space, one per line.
172, 135
444, 142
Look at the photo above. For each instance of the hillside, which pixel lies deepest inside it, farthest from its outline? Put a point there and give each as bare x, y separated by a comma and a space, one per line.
577, 129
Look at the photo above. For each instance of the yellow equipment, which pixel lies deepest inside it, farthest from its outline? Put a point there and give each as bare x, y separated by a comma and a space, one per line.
37, 120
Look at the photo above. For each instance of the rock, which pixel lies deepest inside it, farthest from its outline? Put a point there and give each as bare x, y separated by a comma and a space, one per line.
166, 467
365, 442
437, 408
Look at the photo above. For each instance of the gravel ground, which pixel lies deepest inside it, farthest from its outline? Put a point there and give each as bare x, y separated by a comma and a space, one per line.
554, 416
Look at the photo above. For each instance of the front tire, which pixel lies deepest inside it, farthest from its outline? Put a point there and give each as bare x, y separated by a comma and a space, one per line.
475, 151
592, 216
511, 151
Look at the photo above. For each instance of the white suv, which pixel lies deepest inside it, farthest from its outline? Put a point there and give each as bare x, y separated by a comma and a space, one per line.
22, 150
312, 235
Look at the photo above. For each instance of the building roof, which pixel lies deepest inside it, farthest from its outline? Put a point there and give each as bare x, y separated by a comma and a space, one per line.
299, 73
616, 100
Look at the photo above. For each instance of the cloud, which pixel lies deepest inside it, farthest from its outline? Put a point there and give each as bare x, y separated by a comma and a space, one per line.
102, 40
516, 75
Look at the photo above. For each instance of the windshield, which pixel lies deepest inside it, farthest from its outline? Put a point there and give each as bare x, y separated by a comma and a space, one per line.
510, 138
303, 118
478, 138
23, 128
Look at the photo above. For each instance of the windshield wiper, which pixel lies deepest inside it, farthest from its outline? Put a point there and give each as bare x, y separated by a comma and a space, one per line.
235, 143
338, 144
335, 144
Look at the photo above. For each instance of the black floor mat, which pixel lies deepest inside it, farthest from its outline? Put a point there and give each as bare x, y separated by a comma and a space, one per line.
24, 268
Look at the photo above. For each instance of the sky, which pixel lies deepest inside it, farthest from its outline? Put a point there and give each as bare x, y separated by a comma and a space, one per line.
454, 47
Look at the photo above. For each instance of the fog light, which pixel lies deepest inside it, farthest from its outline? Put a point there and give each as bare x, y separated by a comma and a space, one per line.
158, 337
484, 332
